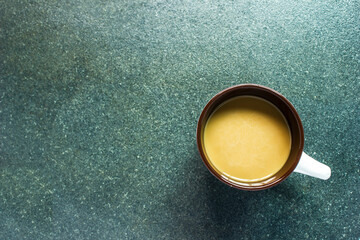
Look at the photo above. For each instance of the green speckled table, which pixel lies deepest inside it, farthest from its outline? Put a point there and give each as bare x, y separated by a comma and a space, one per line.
100, 101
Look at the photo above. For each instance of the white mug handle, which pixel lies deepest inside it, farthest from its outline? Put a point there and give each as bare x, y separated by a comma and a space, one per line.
309, 166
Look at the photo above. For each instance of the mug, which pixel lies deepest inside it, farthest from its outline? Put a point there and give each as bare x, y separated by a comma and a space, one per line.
297, 161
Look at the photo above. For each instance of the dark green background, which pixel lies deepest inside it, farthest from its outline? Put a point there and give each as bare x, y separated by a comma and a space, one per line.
100, 101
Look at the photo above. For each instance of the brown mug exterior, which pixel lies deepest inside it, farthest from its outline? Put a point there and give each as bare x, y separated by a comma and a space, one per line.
289, 112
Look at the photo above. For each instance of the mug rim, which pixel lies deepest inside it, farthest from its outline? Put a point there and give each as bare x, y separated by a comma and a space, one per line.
206, 161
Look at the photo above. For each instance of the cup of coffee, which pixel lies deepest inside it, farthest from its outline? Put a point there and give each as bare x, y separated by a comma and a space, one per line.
251, 137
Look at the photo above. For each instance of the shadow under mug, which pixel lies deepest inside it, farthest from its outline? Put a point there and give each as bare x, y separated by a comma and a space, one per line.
297, 161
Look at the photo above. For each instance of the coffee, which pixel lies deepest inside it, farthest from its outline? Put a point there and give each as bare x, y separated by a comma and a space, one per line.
247, 139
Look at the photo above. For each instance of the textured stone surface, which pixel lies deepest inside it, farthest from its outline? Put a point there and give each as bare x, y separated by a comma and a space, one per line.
99, 105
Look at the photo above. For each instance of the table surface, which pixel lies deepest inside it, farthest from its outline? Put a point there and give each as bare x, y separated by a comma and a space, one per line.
100, 101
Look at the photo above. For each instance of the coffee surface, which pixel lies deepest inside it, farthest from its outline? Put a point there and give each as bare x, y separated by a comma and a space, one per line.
247, 138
